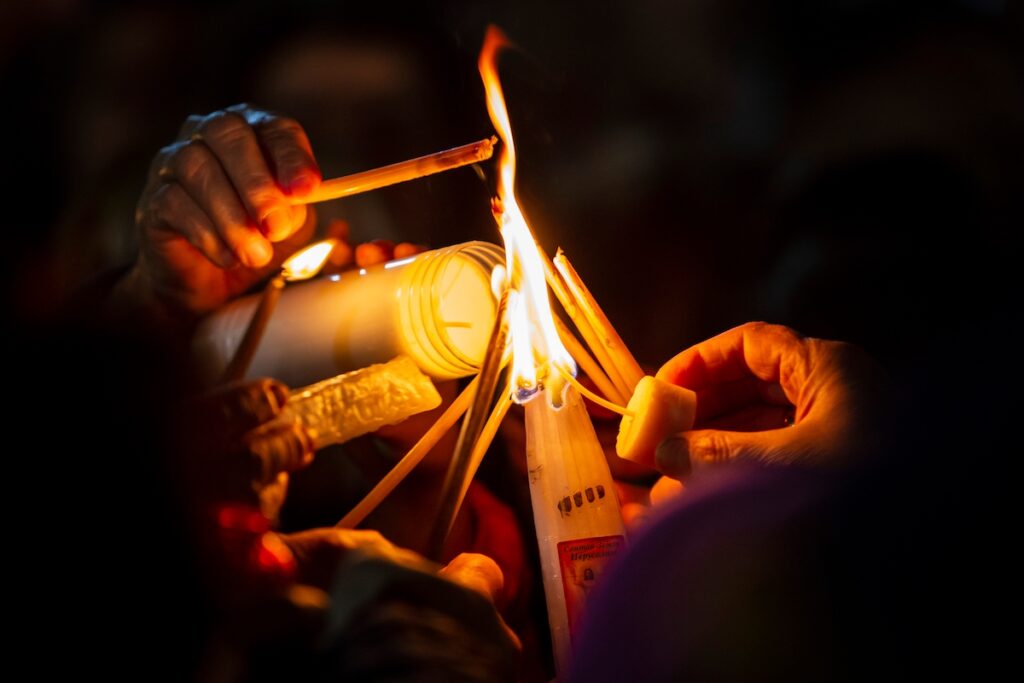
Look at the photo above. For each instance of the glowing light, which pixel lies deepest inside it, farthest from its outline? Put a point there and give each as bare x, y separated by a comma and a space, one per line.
307, 262
537, 352
400, 262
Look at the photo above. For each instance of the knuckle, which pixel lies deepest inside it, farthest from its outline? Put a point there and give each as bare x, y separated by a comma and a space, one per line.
761, 328
167, 151
165, 210
224, 125
188, 161
163, 206
190, 123
281, 127
712, 449
241, 108
259, 189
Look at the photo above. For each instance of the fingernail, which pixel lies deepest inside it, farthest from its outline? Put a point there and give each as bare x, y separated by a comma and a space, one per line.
270, 399
672, 456
256, 403
257, 252
277, 224
280, 393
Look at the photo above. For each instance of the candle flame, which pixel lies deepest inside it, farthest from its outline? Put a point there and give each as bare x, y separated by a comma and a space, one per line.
538, 358
307, 262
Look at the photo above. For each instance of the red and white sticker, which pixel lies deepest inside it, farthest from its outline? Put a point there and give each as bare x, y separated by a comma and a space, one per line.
582, 561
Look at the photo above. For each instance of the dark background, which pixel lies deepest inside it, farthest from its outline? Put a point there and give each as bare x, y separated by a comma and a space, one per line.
852, 169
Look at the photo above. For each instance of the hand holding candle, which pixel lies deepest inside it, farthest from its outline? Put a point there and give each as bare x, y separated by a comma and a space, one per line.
764, 393
216, 214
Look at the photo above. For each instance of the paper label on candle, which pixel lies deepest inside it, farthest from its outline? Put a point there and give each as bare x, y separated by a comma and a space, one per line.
582, 561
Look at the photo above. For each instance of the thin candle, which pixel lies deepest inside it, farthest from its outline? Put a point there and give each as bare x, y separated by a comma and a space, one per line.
472, 426
575, 511
623, 361
487, 434
589, 365
589, 334
356, 183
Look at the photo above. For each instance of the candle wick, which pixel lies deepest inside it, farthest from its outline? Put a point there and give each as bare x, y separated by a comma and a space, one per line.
604, 403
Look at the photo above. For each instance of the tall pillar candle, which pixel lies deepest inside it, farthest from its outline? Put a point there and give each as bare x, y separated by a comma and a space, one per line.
436, 307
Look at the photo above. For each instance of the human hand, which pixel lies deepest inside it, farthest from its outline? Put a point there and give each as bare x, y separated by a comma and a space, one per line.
766, 393
215, 215
318, 551
248, 449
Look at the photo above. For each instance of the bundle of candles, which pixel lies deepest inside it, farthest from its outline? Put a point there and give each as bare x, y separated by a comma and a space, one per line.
576, 512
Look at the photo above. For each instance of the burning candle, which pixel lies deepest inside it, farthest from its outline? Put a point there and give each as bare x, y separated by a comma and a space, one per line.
346, 186
575, 510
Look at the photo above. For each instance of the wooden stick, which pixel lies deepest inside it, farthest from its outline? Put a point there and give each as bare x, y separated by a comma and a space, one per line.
622, 359
254, 332
472, 426
335, 188
590, 335
487, 435
399, 472
587, 362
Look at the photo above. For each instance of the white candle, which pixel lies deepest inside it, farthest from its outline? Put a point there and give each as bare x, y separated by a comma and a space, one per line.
575, 510
656, 410
362, 401
436, 307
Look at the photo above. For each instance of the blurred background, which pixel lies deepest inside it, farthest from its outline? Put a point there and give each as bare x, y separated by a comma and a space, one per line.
852, 168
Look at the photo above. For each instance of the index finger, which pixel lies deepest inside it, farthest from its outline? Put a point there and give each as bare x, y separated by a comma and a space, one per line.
233, 141
771, 353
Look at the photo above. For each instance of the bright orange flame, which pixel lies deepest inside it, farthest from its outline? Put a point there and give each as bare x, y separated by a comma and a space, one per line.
307, 262
538, 357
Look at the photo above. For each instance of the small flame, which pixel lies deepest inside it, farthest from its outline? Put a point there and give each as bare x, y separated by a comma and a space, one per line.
307, 262
538, 357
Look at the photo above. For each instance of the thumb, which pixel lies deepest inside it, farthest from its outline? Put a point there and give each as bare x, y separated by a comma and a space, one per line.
680, 454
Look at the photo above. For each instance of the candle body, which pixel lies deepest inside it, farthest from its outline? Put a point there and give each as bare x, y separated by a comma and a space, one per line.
362, 401
436, 307
575, 510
